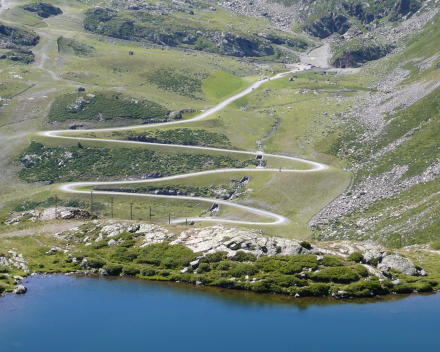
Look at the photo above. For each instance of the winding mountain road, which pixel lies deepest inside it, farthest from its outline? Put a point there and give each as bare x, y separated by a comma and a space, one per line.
278, 219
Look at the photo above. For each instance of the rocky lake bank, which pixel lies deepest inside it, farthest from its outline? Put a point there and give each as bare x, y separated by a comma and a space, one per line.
220, 256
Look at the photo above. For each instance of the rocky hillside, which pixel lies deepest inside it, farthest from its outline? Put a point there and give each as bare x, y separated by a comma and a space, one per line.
180, 24
15, 37
389, 141
360, 30
20, 40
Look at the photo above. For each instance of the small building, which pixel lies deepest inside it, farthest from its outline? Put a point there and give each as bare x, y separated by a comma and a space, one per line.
130, 53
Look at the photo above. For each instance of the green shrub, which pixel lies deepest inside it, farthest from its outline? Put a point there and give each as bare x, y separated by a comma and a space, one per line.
374, 262
163, 273
223, 282
148, 271
242, 270
423, 287
169, 263
2, 288
170, 256
431, 282
435, 245
291, 268
130, 271
128, 244
268, 265
241, 256
4, 269
336, 274
100, 244
261, 286
388, 284
305, 260
214, 257
225, 265
287, 281
331, 261
113, 269
364, 288
203, 268
305, 245
404, 288
316, 289
96, 263
356, 257
361, 270
122, 254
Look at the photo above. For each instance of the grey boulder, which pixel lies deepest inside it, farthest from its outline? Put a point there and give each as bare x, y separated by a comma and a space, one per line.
20, 290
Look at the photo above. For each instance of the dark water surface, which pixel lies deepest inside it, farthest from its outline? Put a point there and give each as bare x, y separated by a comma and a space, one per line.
88, 314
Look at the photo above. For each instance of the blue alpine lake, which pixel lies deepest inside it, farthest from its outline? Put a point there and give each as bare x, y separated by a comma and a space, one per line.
63, 313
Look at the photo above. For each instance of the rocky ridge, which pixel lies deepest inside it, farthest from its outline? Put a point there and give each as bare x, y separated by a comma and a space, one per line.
219, 238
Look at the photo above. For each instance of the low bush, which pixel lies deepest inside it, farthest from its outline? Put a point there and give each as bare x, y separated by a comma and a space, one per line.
148, 271
203, 268
268, 265
305, 260
128, 244
356, 257
305, 245
361, 270
331, 261
242, 270
225, 265
374, 262
287, 281
422, 287
316, 289
404, 288
214, 257
435, 245
100, 244
290, 269
223, 282
122, 254
163, 273
261, 286
4, 269
169, 256
130, 271
336, 274
96, 263
431, 282
241, 256
364, 288
113, 269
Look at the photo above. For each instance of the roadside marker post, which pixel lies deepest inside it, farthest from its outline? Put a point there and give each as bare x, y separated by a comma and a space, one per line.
131, 211
112, 206
91, 201
56, 206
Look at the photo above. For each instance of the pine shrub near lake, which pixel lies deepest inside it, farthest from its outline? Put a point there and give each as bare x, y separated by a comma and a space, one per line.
77, 163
